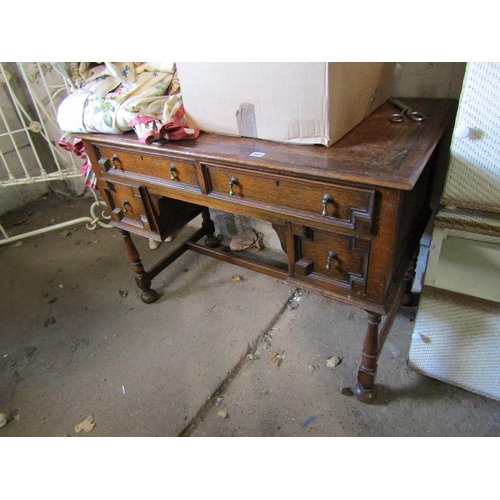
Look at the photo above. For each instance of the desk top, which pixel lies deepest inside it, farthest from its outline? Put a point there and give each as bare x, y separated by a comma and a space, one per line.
376, 152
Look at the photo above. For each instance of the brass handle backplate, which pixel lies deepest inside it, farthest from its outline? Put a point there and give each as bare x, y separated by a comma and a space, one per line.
124, 205
173, 172
114, 159
331, 256
233, 181
327, 198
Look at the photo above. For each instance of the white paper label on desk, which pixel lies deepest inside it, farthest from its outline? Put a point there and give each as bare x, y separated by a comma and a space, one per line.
258, 154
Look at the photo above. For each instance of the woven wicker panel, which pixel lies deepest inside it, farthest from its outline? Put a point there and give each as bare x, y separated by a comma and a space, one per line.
457, 340
473, 178
465, 219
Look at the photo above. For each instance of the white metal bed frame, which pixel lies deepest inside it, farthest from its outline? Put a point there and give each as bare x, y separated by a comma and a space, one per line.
44, 97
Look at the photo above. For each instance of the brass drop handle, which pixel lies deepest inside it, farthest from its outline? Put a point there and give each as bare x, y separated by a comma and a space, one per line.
331, 256
114, 159
173, 172
124, 205
327, 198
233, 181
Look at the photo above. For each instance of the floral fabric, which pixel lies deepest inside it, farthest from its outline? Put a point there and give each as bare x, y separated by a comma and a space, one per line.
113, 98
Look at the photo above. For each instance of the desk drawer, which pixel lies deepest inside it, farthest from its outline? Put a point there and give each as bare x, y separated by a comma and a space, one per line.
343, 206
334, 261
129, 208
165, 168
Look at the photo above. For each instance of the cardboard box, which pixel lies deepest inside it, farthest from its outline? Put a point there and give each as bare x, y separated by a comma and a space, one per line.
302, 103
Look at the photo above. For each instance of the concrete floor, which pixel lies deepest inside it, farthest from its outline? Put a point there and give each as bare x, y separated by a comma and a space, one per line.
215, 356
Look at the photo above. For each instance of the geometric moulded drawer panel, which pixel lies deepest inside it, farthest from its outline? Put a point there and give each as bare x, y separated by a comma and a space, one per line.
456, 340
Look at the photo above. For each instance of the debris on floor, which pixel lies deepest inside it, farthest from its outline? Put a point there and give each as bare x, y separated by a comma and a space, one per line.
333, 361
293, 302
263, 344
86, 426
246, 239
276, 358
307, 422
223, 413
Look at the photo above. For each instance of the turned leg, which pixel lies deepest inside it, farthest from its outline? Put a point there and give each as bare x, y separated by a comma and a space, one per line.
365, 389
208, 224
142, 279
409, 298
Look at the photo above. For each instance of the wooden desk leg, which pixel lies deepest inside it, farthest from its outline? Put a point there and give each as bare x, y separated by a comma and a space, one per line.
148, 295
208, 224
365, 388
409, 298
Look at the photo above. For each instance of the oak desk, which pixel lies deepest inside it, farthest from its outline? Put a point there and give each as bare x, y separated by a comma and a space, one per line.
349, 217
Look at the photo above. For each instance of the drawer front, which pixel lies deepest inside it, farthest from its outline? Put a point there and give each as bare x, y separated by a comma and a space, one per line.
334, 261
170, 170
127, 206
343, 206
